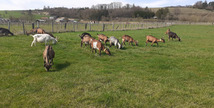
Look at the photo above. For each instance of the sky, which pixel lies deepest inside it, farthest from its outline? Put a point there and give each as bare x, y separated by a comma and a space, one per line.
39, 4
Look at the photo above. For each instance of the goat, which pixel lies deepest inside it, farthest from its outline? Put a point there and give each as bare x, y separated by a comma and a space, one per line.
43, 38
115, 41
39, 31
4, 31
172, 35
85, 34
48, 56
127, 38
102, 37
97, 45
87, 40
153, 39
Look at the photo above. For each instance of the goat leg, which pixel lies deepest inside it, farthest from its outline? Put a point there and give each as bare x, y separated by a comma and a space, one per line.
146, 42
52, 61
92, 50
100, 52
152, 43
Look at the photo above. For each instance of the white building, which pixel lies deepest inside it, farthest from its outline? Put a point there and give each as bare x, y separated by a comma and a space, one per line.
113, 5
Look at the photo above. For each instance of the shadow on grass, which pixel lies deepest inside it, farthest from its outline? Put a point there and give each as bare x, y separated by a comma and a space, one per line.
61, 66
124, 48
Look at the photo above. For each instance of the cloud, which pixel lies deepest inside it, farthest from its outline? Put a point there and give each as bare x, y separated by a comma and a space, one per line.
158, 3
39, 4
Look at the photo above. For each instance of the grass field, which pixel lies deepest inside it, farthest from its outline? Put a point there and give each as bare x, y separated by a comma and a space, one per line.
175, 74
19, 14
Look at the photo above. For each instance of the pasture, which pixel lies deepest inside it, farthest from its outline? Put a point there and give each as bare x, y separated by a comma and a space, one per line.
174, 74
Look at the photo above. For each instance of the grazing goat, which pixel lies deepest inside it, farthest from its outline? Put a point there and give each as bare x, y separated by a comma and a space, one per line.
102, 37
87, 40
97, 45
172, 35
4, 31
48, 56
115, 41
41, 38
127, 38
85, 34
38, 31
153, 39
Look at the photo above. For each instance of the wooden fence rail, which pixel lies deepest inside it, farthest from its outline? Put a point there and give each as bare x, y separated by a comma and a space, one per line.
21, 27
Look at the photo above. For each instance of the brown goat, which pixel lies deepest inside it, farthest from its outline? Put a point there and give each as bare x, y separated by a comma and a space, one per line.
172, 35
86, 40
36, 31
102, 37
48, 56
97, 45
84, 34
153, 39
127, 38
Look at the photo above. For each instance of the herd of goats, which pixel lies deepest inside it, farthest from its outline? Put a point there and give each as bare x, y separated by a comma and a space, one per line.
44, 37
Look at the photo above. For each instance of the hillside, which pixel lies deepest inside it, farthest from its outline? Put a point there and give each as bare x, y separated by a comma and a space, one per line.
189, 14
22, 14
176, 13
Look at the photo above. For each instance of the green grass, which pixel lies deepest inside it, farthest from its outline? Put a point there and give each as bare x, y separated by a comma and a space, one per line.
175, 74
20, 14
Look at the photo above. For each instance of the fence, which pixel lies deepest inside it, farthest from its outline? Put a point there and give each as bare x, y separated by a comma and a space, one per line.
21, 27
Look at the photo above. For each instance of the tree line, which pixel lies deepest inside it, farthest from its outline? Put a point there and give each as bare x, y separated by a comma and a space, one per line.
204, 5
101, 15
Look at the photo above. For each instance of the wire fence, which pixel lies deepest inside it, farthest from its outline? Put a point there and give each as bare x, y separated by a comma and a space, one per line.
20, 27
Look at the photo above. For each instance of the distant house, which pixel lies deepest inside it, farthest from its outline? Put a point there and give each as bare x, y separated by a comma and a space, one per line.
155, 17
40, 20
71, 20
52, 17
60, 19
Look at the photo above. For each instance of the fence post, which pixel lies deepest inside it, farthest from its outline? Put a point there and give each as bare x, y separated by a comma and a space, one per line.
32, 25
37, 22
23, 26
103, 27
52, 25
8, 25
65, 26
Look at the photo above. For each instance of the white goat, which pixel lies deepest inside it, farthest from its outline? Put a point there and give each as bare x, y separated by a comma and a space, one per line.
114, 41
41, 38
